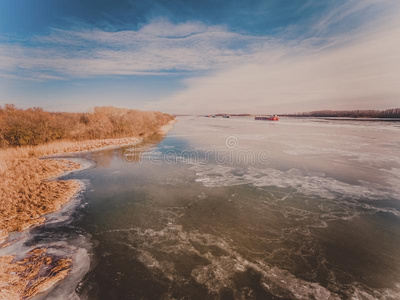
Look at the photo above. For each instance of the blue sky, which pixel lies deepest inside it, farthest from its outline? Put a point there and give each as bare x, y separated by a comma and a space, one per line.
255, 17
200, 56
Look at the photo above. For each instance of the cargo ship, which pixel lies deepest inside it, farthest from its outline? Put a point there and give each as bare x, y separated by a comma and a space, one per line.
267, 118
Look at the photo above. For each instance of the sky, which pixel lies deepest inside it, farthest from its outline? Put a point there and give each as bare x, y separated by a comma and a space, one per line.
200, 57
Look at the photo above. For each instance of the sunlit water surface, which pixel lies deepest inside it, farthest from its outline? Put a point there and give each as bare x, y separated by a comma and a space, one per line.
243, 209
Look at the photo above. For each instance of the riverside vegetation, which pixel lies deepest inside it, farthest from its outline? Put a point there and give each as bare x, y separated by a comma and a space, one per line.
26, 193
384, 114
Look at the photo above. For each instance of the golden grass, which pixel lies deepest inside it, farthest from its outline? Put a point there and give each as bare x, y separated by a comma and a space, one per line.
34, 126
61, 147
27, 192
35, 273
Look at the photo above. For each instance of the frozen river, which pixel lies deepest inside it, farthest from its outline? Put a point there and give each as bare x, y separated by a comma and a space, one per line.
243, 209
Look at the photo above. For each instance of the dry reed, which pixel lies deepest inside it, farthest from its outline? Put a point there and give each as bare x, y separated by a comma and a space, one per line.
27, 194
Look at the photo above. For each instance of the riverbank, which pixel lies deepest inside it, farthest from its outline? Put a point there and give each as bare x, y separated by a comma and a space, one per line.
28, 192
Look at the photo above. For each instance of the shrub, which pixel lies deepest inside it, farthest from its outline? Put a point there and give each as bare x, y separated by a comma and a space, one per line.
34, 126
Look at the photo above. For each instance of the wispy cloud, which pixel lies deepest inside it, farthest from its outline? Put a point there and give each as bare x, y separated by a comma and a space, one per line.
349, 70
159, 47
346, 58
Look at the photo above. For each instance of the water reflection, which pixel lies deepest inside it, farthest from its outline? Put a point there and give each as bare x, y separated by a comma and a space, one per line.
128, 154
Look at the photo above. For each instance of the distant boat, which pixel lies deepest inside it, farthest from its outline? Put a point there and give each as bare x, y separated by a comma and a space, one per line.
226, 116
267, 118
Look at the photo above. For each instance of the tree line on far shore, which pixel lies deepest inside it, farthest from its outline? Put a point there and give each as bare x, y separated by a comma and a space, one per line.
388, 113
34, 126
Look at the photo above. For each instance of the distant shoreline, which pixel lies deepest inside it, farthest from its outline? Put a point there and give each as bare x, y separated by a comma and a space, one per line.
392, 114
377, 119
345, 118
